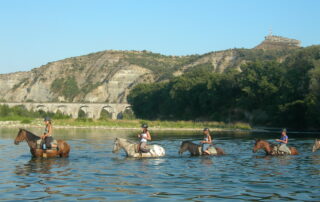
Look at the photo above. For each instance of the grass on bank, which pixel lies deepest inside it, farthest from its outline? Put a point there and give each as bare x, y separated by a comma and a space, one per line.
131, 123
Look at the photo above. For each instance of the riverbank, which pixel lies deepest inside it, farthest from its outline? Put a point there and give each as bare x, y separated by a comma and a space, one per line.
128, 124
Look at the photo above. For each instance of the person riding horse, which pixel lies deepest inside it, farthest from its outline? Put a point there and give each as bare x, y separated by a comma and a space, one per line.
283, 142
144, 137
47, 134
207, 141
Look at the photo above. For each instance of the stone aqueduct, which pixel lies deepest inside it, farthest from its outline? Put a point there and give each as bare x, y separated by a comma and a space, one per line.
92, 110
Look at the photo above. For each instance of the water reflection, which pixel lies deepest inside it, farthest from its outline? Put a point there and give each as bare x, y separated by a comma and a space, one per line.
41, 165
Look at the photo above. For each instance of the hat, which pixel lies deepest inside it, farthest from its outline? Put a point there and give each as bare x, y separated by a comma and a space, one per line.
47, 119
206, 129
284, 130
144, 126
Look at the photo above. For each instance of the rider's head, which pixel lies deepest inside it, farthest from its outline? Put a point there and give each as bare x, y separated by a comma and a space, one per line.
284, 131
144, 127
47, 119
206, 131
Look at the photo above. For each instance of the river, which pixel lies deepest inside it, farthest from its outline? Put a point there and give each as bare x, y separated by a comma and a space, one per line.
93, 172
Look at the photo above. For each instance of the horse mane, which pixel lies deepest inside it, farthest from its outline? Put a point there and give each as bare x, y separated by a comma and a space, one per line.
270, 143
31, 136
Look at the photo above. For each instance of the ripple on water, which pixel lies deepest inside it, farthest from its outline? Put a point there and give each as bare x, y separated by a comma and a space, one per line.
93, 172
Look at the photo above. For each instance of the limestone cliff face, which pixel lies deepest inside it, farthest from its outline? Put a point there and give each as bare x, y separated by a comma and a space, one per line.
108, 76
99, 77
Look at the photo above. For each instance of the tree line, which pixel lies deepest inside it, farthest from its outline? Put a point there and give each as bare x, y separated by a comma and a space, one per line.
264, 92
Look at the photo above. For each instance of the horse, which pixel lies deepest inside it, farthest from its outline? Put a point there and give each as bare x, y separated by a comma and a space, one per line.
271, 149
196, 149
131, 149
316, 145
24, 135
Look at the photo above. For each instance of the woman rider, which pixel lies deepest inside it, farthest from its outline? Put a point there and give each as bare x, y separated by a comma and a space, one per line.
144, 137
47, 134
283, 142
207, 141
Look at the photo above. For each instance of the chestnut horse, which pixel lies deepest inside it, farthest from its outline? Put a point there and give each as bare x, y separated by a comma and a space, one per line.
316, 145
24, 135
196, 149
271, 149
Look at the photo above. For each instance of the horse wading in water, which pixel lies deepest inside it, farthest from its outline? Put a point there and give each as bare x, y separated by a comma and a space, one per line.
316, 145
196, 150
271, 149
132, 150
33, 141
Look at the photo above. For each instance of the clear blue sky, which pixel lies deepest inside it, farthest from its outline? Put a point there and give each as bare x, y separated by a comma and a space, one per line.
35, 32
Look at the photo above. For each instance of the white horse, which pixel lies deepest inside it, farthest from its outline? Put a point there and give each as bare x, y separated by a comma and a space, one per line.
316, 145
131, 149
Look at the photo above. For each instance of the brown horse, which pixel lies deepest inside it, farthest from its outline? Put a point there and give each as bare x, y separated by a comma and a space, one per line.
196, 150
24, 135
316, 145
271, 149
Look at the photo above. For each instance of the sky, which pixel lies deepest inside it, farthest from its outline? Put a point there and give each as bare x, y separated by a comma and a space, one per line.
35, 32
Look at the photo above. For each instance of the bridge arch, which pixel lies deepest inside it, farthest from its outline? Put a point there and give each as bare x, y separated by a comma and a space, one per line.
107, 112
42, 108
84, 112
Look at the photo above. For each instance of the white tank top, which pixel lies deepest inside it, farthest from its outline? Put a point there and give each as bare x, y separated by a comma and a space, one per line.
143, 137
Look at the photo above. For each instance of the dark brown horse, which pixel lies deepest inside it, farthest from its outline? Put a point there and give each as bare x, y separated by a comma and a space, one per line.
24, 135
271, 149
196, 150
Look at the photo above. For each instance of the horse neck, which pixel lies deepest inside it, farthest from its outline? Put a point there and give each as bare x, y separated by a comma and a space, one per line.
193, 148
267, 147
31, 139
125, 145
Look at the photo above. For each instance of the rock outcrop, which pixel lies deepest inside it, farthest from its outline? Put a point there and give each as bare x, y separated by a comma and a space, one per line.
272, 42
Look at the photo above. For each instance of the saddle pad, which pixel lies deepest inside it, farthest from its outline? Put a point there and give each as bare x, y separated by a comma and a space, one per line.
54, 143
212, 150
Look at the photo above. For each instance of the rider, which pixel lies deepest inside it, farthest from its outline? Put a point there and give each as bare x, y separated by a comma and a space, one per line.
283, 142
47, 134
207, 141
144, 137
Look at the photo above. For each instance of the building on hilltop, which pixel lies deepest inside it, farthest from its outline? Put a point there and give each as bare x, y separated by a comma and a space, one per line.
278, 42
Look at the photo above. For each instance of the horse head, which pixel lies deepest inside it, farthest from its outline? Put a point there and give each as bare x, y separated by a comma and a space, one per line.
316, 145
183, 147
257, 145
116, 146
20, 137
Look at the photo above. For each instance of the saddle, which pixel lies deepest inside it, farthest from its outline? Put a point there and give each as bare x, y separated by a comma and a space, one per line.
54, 144
137, 149
277, 151
212, 150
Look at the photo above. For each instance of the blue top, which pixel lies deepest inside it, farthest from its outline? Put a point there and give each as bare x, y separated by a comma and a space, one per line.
284, 138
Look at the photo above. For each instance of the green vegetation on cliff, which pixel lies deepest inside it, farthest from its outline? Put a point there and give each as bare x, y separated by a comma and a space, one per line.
266, 91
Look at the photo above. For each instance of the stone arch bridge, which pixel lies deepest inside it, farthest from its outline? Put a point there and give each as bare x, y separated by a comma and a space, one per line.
92, 110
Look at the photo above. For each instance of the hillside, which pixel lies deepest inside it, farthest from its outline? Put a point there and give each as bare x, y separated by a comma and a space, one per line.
108, 76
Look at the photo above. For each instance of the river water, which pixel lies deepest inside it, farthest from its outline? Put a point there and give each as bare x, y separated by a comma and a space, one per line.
93, 172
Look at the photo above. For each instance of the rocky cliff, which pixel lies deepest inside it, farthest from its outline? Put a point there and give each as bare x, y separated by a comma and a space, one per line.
108, 76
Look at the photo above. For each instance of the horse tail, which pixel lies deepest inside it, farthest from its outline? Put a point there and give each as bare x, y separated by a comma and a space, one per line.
64, 148
219, 151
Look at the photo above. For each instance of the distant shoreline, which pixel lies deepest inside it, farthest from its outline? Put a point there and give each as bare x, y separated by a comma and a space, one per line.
17, 124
